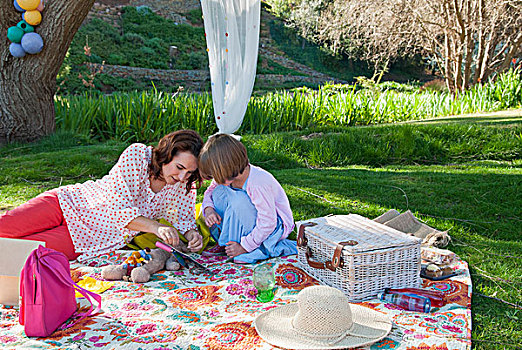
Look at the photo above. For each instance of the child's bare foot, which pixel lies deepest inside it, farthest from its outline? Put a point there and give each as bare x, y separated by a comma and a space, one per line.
216, 250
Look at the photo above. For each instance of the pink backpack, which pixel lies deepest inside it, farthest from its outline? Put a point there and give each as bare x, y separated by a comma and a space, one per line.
47, 293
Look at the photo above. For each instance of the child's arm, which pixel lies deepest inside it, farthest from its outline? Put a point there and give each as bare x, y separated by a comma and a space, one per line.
207, 197
264, 201
211, 217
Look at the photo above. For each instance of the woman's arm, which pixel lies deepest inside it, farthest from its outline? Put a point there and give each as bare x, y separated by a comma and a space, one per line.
166, 233
180, 213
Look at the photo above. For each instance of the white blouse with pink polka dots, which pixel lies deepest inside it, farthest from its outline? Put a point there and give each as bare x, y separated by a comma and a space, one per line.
97, 212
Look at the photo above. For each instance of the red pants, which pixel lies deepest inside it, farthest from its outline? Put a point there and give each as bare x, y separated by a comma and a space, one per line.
40, 219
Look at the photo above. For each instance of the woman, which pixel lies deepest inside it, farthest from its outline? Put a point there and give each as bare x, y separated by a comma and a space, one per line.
95, 217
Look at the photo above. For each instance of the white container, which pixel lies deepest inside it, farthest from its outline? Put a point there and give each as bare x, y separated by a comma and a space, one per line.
13, 254
357, 255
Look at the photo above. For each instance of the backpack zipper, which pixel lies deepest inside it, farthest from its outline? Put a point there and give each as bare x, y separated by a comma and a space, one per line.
35, 288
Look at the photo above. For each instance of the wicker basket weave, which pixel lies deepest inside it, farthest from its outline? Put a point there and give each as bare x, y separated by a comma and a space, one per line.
357, 255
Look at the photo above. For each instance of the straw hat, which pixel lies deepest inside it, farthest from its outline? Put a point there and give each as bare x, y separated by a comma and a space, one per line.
322, 318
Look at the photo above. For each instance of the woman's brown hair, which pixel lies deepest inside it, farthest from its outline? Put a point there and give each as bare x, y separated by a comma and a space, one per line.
172, 144
222, 158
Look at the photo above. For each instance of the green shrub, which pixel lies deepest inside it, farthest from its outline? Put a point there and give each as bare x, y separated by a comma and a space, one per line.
193, 60
117, 59
142, 41
507, 89
436, 85
195, 17
134, 38
148, 114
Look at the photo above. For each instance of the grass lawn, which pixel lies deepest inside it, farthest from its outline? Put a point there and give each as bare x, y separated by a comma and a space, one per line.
474, 192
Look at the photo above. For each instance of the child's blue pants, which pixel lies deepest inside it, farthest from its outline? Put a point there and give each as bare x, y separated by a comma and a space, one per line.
238, 219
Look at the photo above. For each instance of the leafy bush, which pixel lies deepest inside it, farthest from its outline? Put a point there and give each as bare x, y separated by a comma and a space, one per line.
195, 17
193, 60
133, 37
311, 55
507, 89
436, 85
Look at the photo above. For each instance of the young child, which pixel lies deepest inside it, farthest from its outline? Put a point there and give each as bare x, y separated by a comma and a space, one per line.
246, 202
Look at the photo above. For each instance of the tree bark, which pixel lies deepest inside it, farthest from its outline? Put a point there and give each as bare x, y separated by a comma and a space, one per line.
28, 84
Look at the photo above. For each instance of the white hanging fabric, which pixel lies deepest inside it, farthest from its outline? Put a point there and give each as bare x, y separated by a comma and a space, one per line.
232, 33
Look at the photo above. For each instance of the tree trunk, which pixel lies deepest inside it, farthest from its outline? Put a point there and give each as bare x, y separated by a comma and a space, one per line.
28, 84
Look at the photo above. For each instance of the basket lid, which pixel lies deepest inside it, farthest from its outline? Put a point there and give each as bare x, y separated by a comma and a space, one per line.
360, 233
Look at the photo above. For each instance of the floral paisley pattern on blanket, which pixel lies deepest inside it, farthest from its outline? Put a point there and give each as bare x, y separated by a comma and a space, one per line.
191, 309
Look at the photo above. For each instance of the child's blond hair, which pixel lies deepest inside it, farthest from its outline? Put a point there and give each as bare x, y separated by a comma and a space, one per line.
222, 158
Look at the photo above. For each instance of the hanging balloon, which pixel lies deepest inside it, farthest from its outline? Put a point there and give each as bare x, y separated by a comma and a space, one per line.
29, 5
16, 50
15, 34
17, 7
26, 27
32, 17
32, 43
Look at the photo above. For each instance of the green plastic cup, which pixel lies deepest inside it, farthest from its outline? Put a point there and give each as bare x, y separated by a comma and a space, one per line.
264, 281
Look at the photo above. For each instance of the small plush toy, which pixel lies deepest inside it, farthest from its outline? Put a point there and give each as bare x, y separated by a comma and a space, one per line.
140, 265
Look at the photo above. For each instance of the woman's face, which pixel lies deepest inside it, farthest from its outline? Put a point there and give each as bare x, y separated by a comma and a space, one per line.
180, 168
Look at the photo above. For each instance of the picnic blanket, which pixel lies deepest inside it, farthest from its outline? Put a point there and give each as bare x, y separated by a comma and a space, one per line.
188, 309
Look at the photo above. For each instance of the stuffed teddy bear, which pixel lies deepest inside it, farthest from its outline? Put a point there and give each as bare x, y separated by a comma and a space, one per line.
140, 265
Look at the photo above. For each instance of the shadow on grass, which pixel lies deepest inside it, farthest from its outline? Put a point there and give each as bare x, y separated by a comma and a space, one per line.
501, 117
482, 199
479, 205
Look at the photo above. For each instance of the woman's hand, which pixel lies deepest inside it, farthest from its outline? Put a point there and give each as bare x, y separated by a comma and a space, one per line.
211, 217
195, 240
234, 249
168, 235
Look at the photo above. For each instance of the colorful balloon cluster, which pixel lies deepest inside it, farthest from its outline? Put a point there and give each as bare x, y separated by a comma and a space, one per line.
24, 39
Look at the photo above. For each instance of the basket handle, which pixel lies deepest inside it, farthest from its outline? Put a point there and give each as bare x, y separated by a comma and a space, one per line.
301, 239
336, 261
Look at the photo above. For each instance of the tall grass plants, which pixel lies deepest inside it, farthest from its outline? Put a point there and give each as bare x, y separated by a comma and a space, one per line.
145, 116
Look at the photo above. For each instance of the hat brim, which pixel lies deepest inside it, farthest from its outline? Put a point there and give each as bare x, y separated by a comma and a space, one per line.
275, 327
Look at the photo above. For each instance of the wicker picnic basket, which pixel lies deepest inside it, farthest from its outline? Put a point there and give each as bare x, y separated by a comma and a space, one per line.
357, 255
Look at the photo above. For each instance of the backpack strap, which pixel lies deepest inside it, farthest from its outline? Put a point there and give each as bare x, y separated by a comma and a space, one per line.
67, 280
87, 294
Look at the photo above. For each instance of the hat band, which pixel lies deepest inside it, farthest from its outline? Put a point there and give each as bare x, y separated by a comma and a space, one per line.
331, 339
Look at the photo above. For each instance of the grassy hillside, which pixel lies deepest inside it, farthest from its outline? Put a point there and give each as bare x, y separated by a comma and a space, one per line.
138, 37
